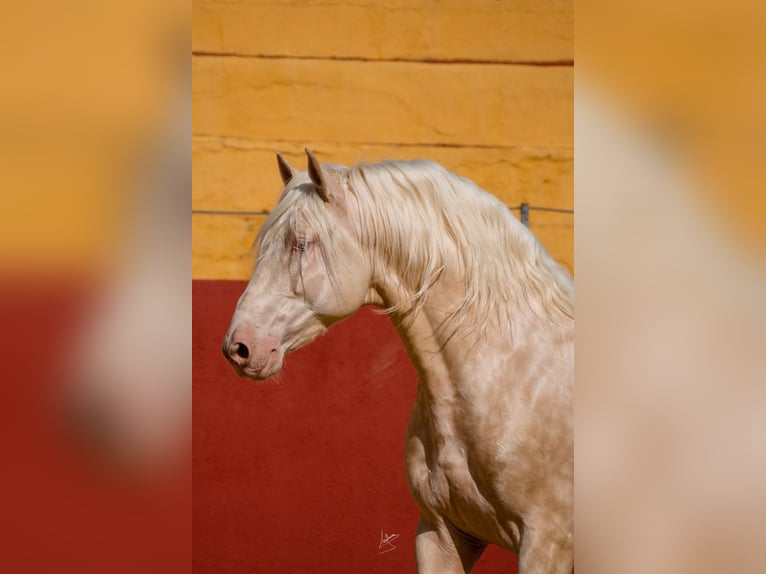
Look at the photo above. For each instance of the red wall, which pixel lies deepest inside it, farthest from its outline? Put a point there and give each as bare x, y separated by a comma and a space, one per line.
302, 475
62, 509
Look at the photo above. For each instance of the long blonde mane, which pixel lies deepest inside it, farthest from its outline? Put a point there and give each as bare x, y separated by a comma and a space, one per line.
415, 212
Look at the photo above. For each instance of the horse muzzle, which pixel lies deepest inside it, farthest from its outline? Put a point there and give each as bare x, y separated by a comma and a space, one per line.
253, 354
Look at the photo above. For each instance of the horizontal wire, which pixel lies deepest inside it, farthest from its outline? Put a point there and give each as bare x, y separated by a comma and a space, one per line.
541, 208
267, 212
228, 212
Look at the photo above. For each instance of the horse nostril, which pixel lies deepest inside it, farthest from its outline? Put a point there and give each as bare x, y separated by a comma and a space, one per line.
241, 350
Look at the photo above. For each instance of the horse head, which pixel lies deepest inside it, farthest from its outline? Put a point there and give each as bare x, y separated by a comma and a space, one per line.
310, 272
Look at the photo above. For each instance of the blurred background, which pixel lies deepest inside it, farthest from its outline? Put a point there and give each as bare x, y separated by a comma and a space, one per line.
307, 474
671, 323
95, 125
94, 257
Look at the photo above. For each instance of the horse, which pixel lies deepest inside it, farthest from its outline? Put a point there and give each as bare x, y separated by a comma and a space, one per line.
487, 319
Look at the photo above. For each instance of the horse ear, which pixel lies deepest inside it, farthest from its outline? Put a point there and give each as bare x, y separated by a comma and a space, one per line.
319, 176
285, 169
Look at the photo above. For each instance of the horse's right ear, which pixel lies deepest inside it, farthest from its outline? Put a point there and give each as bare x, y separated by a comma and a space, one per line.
318, 177
286, 171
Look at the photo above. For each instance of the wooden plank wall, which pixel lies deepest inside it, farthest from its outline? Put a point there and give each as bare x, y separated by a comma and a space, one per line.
483, 87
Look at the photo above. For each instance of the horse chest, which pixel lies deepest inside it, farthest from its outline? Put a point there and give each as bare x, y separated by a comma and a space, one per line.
441, 481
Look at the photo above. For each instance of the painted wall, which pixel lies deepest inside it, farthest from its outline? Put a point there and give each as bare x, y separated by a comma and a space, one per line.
483, 87
306, 474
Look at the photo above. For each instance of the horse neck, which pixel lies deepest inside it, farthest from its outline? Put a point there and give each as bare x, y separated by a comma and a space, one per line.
435, 342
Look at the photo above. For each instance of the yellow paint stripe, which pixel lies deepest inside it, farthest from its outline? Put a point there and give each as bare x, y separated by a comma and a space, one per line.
221, 245
383, 102
396, 29
239, 174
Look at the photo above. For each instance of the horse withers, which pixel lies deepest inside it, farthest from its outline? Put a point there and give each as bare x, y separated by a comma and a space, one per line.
487, 318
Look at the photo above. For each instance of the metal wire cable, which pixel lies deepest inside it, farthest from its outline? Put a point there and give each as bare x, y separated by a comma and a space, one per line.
267, 212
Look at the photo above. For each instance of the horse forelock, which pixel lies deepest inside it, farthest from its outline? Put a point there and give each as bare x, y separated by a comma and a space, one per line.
300, 211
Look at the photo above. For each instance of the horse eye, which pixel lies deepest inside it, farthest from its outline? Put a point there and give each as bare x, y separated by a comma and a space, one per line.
300, 244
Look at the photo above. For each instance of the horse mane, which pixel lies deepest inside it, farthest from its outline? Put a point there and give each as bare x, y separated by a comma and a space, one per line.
411, 210
412, 214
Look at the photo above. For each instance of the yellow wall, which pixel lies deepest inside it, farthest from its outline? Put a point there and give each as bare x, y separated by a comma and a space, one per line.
483, 87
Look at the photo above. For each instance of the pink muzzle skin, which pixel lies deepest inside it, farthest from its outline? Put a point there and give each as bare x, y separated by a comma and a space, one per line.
252, 351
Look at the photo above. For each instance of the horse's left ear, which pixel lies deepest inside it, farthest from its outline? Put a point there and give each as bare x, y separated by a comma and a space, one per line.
320, 179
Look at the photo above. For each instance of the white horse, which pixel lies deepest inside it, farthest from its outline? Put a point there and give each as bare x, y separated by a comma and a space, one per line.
487, 318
